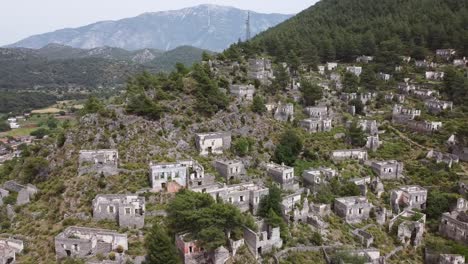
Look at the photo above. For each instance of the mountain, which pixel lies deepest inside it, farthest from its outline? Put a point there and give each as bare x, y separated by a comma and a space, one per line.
57, 52
342, 30
208, 27
58, 66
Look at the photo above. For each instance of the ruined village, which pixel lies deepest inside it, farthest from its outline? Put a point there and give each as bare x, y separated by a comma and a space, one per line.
360, 185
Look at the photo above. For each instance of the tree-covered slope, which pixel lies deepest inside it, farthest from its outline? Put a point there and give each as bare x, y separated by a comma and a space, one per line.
343, 29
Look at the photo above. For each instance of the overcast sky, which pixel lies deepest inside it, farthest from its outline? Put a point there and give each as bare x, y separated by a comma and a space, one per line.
23, 18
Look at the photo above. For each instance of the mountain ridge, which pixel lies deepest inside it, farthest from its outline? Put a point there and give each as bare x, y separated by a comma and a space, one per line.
210, 27
22, 68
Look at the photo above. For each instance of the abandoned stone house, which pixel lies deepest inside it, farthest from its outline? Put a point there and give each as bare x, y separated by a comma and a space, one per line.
282, 175
9, 247
356, 70
364, 59
315, 125
83, 242
369, 126
335, 77
457, 148
317, 212
435, 75
264, 240
384, 76
321, 69
436, 106
231, 169
348, 96
424, 126
318, 111
25, 192
332, 66
246, 196
405, 59
314, 178
408, 197
454, 225
406, 87
362, 183
295, 207
242, 92
367, 97
365, 238
260, 69
103, 161
213, 143
410, 227
284, 112
451, 259
377, 187
344, 154
401, 113
373, 143
192, 253
421, 63
353, 209
445, 53
387, 170
460, 62
126, 210
446, 158
424, 93
183, 174
400, 98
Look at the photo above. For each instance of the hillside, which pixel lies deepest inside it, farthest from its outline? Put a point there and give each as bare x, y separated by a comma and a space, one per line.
206, 26
62, 66
342, 30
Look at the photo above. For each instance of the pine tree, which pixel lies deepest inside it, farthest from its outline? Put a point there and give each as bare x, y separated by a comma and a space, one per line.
160, 247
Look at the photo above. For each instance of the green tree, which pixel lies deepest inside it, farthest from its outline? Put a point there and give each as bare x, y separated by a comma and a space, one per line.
40, 133
92, 105
242, 146
4, 126
358, 106
310, 92
350, 83
355, 135
439, 203
205, 219
272, 201
275, 220
455, 86
258, 105
209, 98
34, 169
289, 147
281, 81
206, 56
368, 79
160, 247
52, 123
145, 106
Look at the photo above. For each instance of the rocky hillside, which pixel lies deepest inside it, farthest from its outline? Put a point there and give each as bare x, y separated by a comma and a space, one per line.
206, 26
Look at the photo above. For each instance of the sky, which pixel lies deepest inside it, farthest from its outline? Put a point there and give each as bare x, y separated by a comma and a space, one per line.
22, 18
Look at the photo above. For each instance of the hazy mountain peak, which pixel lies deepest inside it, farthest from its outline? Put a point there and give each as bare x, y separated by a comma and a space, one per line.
207, 26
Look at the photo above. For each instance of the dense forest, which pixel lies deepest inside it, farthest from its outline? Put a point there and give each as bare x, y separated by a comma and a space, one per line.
20, 102
342, 30
25, 68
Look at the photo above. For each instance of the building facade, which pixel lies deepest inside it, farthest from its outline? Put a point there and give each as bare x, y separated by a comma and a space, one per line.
213, 143
126, 210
